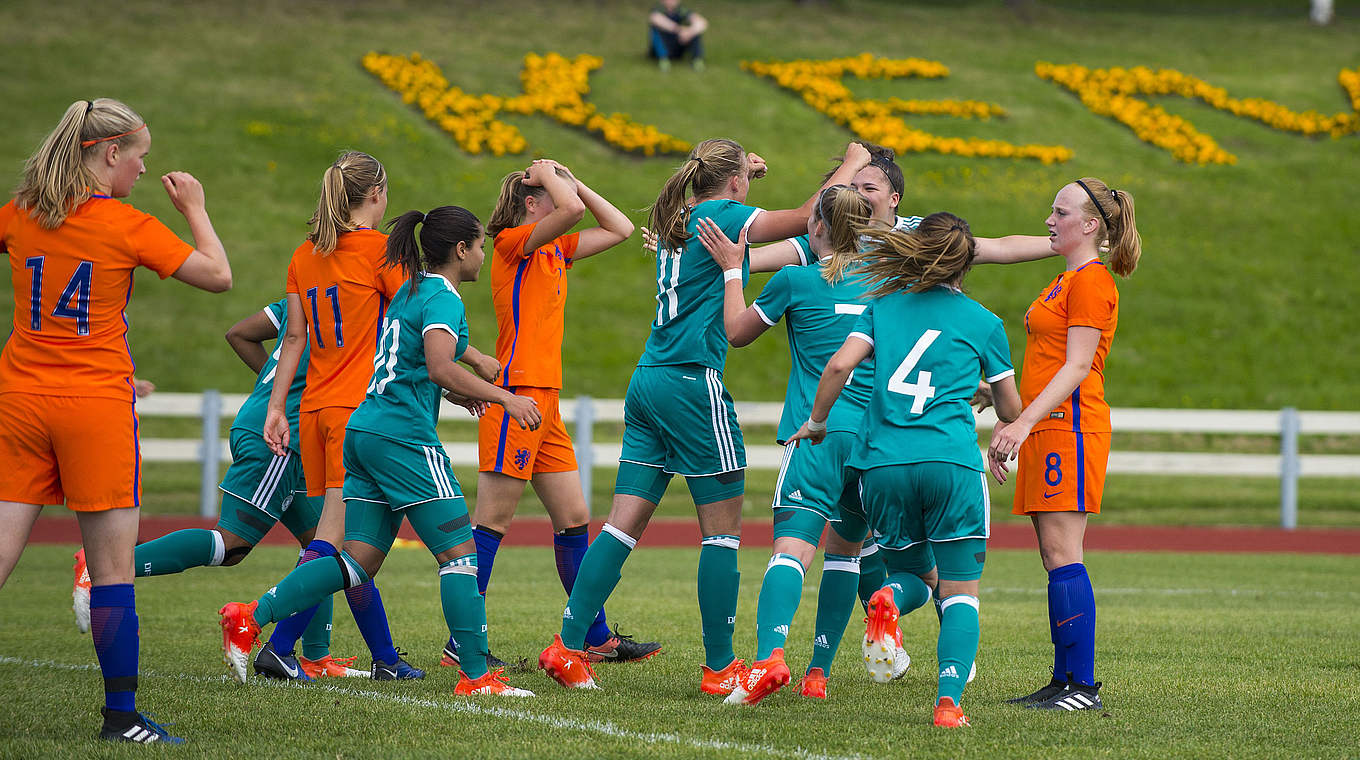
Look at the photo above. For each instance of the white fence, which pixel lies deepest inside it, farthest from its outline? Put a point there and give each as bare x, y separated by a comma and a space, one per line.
210, 407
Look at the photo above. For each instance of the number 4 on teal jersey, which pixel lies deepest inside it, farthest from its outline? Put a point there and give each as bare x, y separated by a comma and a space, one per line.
385, 360
921, 390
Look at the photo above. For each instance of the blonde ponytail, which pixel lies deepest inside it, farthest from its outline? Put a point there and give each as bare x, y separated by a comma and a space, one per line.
343, 188
710, 164
1118, 233
938, 252
844, 212
56, 177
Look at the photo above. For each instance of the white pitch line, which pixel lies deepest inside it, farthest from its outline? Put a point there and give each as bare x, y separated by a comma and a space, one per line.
594, 726
1187, 591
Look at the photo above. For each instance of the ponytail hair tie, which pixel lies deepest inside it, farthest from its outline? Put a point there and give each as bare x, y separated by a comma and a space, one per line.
89, 106
697, 160
423, 217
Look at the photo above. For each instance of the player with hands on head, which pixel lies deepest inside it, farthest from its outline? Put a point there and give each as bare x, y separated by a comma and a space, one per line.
678, 417
534, 248
68, 417
396, 469
921, 477
1062, 438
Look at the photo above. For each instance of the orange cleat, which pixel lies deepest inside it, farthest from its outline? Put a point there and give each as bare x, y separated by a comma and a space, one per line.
880, 637
813, 684
239, 636
764, 678
80, 593
569, 667
331, 667
949, 715
722, 682
492, 682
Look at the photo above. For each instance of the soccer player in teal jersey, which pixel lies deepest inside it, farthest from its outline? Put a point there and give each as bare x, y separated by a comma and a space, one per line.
922, 481
396, 467
820, 305
259, 490
678, 417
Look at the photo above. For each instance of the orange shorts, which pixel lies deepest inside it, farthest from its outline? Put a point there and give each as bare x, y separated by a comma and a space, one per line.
321, 434
70, 449
505, 447
1061, 471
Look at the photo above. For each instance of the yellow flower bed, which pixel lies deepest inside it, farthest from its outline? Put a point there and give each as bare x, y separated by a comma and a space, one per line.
553, 86
1111, 92
820, 86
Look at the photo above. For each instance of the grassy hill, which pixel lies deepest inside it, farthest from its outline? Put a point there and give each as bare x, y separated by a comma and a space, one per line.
1243, 298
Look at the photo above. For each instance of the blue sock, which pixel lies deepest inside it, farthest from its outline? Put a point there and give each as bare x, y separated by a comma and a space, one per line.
370, 617
1072, 615
289, 630
488, 542
113, 624
570, 548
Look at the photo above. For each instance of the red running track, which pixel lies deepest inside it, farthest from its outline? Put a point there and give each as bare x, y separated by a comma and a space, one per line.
668, 532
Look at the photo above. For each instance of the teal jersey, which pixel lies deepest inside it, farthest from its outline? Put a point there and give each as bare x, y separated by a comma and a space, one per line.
402, 403
931, 349
818, 317
689, 293
251, 415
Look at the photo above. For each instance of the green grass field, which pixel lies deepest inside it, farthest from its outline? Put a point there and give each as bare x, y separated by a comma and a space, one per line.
1202, 656
1241, 300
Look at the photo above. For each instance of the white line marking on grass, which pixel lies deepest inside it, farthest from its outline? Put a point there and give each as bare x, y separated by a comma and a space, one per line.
592, 726
1187, 591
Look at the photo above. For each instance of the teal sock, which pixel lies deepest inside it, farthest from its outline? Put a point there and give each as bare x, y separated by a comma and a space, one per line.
177, 552
873, 573
316, 637
719, 583
835, 602
307, 585
909, 591
465, 613
780, 592
958, 645
595, 581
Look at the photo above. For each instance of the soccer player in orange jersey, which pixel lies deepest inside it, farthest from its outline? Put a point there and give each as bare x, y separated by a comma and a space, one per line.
534, 248
338, 288
68, 419
1062, 438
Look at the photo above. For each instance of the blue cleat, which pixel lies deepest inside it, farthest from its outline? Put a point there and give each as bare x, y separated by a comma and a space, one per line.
400, 670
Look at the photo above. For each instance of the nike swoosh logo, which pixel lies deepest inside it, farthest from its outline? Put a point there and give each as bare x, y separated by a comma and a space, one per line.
1061, 623
1048, 495
610, 655
389, 672
291, 671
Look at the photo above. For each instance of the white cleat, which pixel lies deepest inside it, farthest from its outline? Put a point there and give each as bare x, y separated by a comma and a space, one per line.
901, 663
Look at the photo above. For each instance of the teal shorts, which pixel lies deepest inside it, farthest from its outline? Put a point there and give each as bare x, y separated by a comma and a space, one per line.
681, 419
908, 505
259, 478
387, 481
814, 477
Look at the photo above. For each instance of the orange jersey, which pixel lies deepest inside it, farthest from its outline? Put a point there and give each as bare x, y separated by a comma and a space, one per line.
344, 295
1084, 297
71, 286
530, 295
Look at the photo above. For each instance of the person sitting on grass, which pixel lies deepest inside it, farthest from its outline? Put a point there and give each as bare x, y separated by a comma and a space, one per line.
675, 31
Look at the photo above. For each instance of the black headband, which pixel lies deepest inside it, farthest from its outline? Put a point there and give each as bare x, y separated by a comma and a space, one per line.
1093, 200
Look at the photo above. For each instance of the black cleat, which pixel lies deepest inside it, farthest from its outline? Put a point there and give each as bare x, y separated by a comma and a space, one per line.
285, 667
620, 647
400, 670
1053, 688
134, 727
450, 658
1074, 696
